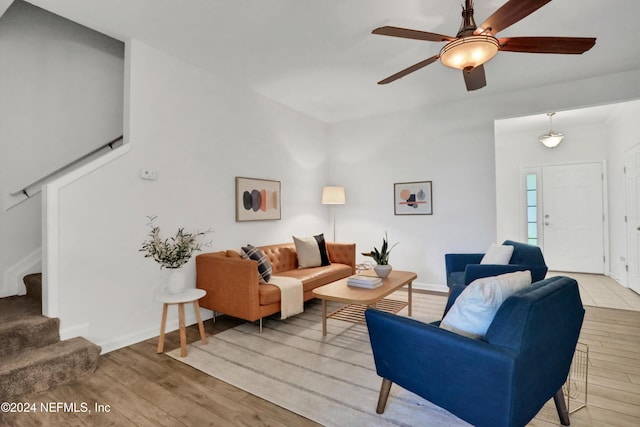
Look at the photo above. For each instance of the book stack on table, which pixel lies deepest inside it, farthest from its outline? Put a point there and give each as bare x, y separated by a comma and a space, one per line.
361, 281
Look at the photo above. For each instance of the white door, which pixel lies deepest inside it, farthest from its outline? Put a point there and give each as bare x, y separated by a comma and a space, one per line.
632, 173
573, 217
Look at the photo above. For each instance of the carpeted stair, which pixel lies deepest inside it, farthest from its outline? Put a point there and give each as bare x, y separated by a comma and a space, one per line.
27, 332
33, 283
32, 357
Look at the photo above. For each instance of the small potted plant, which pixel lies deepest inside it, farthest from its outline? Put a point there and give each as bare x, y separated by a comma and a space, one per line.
172, 253
381, 257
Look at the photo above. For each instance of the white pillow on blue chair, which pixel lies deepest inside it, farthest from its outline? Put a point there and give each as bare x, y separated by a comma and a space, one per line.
497, 254
476, 306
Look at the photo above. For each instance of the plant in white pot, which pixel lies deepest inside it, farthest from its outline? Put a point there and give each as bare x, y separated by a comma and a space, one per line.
381, 257
172, 253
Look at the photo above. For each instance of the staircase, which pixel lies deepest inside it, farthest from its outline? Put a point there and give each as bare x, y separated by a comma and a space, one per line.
32, 357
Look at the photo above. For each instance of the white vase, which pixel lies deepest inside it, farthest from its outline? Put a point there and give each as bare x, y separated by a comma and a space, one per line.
382, 270
176, 281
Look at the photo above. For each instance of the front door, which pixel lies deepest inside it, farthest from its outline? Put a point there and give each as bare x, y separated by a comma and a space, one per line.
573, 217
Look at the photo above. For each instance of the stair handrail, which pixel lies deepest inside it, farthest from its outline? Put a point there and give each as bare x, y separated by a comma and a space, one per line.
23, 190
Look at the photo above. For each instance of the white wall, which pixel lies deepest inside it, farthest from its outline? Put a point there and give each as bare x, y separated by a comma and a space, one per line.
198, 133
624, 128
519, 148
61, 97
369, 156
453, 146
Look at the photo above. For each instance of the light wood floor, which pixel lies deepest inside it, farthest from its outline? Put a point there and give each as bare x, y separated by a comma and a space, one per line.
144, 388
602, 291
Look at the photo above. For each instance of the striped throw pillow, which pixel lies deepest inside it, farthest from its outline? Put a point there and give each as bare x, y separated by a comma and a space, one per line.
264, 266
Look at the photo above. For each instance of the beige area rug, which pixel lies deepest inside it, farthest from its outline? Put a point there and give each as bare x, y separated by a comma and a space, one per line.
331, 381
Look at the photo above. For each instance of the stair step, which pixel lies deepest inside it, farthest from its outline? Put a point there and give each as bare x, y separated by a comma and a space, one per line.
39, 369
28, 332
18, 306
33, 283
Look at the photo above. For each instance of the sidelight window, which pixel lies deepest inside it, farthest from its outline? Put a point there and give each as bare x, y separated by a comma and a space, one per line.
532, 208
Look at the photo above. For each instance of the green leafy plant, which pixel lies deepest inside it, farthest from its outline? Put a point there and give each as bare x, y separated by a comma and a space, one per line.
173, 252
381, 257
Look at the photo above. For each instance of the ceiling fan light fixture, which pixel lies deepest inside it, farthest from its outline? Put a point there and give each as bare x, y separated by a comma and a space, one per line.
469, 52
551, 139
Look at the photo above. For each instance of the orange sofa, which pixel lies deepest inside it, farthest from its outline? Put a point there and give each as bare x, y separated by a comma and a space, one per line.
232, 282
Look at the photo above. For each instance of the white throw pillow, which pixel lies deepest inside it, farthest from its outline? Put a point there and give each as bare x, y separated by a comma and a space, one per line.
476, 306
497, 254
311, 251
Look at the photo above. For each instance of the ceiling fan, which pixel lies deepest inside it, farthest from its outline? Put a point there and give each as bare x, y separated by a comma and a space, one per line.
473, 45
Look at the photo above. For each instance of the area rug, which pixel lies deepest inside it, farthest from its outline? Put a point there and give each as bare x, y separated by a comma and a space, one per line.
330, 380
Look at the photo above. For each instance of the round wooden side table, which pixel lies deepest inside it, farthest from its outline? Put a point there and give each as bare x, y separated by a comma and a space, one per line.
189, 295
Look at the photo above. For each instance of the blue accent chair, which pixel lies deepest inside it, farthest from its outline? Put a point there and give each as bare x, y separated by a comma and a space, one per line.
463, 269
502, 380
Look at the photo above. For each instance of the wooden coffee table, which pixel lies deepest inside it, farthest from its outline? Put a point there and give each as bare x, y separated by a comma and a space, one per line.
359, 299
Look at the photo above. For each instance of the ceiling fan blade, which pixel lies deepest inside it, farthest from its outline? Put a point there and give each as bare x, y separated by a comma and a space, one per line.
508, 14
409, 70
568, 45
474, 78
406, 33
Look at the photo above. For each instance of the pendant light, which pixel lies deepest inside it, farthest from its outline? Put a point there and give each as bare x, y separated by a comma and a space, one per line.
551, 139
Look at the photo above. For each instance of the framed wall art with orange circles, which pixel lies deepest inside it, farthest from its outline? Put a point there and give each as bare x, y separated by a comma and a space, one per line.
413, 198
257, 199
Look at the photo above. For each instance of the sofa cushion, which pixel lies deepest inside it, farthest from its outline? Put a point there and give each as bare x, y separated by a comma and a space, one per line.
311, 278
233, 253
312, 251
264, 267
474, 310
497, 254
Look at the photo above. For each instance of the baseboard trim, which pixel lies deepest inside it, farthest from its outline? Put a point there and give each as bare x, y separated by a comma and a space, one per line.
75, 331
430, 287
139, 336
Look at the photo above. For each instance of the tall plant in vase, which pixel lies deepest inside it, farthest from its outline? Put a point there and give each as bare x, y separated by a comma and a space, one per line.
172, 253
381, 257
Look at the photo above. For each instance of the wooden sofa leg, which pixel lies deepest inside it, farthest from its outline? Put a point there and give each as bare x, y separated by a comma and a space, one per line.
561, 407
384, 395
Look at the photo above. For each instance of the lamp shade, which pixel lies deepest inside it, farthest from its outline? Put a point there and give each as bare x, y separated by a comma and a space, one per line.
333, 196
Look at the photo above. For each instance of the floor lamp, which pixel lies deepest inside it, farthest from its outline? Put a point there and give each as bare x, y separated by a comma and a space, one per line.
333, 196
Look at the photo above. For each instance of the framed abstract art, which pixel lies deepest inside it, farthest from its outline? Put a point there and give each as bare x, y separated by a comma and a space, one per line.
257, 199
413, 198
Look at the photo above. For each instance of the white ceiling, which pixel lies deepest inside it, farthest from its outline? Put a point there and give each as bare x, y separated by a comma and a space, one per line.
319, 56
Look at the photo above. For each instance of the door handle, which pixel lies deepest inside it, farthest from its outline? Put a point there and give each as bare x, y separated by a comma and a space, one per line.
547, 223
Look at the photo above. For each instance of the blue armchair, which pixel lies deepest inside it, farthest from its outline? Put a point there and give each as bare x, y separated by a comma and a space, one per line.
463, 269
502, 380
